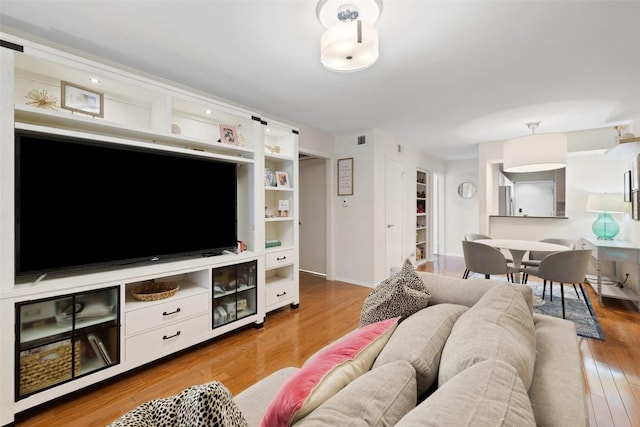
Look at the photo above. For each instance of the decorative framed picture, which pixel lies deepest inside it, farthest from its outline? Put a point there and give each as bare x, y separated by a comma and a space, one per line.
282, 179
345, 177
635, 205
228, 135
81, 99
635, 180
627, 186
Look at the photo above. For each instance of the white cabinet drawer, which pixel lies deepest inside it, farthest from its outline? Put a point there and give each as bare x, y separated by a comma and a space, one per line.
167, 339
280, 258
279, 293
162, 314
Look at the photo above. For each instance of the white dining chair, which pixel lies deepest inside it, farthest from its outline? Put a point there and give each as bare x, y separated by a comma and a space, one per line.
566, 267
485, 259
536, 256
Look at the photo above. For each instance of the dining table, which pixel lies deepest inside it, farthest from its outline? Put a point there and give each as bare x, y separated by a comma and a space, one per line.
518, 249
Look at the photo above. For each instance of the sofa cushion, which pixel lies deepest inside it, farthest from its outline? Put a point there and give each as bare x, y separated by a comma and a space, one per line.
558, 372
419, 340
331, 370
380, 397
467, 292
254, 400
487, 394
499, 326
200, 405
401, 295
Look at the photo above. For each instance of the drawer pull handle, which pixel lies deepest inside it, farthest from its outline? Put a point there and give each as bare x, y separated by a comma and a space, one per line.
282, 294
171, 336
173, 312
281, 259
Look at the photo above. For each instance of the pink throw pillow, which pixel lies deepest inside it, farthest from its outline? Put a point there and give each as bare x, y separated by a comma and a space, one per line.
329, 371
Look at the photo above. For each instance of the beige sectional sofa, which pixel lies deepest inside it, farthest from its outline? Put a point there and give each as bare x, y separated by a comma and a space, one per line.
476, 356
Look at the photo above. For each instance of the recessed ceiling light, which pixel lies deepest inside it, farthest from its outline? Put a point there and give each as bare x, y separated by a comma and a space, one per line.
94, 80
208, 112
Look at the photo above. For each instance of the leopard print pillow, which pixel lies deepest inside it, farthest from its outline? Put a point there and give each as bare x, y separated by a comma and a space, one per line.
401, 295
205, 405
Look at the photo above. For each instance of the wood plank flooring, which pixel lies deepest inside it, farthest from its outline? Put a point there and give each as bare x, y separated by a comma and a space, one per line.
328, 310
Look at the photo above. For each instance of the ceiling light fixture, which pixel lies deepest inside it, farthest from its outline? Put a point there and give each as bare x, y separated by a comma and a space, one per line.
350, 41
535, 152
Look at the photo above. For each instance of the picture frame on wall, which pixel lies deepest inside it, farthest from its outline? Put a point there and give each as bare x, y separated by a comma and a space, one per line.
228, 135
345, 177
627, 186
81, 99
635, 205
635, 181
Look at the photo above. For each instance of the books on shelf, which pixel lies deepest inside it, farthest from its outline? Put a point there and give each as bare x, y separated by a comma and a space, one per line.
99, 348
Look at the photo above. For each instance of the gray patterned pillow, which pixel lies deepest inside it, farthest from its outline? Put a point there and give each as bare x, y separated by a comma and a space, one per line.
402, 294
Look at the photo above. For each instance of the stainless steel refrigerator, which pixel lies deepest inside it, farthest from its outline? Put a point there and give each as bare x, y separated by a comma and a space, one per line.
505, 200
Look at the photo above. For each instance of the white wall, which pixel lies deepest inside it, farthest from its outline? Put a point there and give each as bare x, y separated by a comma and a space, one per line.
461, 215
353, 225
359, 230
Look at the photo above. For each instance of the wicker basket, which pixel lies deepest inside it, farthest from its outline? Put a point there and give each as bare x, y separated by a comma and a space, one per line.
153, 291
47, 367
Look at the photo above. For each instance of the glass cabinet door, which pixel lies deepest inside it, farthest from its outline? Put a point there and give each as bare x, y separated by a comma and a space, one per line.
62, 338
234, 292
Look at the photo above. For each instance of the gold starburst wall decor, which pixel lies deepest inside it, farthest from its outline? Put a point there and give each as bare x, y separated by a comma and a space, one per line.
41, 99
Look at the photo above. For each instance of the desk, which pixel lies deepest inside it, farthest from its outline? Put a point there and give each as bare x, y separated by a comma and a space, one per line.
615, 251
520, 247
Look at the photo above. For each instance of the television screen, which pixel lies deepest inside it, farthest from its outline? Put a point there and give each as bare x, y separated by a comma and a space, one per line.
82, 203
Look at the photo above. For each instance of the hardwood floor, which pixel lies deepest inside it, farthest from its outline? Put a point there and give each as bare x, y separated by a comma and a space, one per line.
328, 310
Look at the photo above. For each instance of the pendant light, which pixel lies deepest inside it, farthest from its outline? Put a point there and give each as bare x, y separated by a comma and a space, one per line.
535, 152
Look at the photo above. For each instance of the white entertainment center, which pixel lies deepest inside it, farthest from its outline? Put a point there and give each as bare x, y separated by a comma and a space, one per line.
53, 350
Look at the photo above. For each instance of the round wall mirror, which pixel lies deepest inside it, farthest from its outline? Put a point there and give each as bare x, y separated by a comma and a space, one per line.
466, 190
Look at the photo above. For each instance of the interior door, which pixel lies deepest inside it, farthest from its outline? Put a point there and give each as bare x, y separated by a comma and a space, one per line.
313, 223
393, 214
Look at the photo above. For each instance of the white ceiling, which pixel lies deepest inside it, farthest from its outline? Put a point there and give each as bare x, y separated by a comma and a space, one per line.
451, 74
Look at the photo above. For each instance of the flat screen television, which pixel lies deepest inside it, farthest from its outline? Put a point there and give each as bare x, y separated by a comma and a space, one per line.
84, 203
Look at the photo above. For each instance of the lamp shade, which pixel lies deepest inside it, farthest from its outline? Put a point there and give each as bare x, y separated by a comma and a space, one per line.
349, 46
535, 153
605, 202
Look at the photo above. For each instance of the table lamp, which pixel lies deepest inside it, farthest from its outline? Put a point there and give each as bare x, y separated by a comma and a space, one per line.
605, 227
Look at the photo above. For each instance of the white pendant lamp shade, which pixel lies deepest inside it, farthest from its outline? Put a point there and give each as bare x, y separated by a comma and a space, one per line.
535, 153
349, 46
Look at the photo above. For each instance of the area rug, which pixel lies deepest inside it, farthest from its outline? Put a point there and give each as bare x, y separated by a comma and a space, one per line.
575, 309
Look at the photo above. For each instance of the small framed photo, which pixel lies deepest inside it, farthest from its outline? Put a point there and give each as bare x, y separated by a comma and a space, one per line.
81, 99
283, 208
627, 186
228, 135
635, 205
282, 179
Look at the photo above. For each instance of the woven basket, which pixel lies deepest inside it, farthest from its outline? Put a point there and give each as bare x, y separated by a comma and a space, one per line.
47, 367
153, 291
